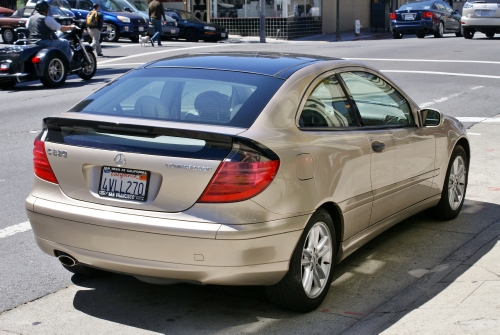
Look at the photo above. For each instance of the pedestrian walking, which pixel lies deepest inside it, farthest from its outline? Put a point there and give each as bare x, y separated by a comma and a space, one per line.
156, 12
94, 27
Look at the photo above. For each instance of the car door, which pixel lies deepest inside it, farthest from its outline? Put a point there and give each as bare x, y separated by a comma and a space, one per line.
335, 144
451, 19
402, 154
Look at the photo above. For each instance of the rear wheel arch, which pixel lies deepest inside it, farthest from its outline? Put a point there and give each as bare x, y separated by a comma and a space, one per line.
338, 222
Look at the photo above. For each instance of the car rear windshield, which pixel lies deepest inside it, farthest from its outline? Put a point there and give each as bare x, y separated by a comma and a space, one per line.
184, 95
417, 5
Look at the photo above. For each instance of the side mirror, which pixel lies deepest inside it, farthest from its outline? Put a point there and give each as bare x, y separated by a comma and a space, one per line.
127, 9
430, 117
456, 11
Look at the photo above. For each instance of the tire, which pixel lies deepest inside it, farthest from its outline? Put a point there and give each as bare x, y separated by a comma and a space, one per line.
114, 34
309, 265
134, 39
440, 32
397, 36
454, 188
54, 72
85, 271
7, 85
490, 34
88, 70
460, 32
192, 35
8, 36
468, 33
421, 35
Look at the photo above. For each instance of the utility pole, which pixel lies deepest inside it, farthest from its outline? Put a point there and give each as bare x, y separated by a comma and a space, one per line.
262, 21
337, 24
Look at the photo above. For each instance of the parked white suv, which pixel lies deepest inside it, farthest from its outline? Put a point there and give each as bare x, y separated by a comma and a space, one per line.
481, 15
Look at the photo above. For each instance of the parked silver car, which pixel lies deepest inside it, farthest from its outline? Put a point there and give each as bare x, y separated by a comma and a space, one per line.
482, 16
240, 169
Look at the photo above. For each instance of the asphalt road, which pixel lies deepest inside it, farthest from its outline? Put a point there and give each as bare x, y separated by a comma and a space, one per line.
459, 77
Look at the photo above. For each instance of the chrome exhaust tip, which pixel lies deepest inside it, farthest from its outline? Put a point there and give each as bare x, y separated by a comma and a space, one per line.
67, 260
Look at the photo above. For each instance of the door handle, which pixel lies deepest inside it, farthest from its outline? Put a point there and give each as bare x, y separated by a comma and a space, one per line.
378, 146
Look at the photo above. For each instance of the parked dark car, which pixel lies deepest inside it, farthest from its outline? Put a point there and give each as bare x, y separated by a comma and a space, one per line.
193, 29
425, 17
5, 11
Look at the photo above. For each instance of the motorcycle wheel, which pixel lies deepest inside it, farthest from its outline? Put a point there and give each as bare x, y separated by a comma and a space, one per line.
88, 69
54, 72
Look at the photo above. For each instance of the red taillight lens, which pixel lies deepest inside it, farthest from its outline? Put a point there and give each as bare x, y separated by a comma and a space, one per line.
427, 15
241, 177
393, 16
36, 60
41, 163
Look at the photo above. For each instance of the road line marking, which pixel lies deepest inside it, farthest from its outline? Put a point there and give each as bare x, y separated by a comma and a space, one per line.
475, 134
443, 99
444, 73
158, 52
12, 230
427, 60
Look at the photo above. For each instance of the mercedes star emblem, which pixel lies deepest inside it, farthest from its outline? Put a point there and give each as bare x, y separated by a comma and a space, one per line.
120, 160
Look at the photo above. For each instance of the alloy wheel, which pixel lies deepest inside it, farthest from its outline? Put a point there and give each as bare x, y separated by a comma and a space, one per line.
316, 259
56, 70
456, 183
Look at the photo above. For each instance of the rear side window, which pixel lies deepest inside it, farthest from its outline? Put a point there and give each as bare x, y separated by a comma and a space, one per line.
378, 103
327, 107
416, 6
185, 95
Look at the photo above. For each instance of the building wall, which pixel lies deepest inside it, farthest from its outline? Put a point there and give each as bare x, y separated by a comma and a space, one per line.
350, 10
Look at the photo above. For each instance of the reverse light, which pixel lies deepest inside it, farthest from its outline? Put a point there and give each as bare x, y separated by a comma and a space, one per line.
41, 164
427, 15
123, 19
393, 16
247, 171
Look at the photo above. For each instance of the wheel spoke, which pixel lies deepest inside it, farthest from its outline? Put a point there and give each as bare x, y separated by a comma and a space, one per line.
307, 280
321, 273
451, 196
307, 252
305, 262
322, 243
323, 251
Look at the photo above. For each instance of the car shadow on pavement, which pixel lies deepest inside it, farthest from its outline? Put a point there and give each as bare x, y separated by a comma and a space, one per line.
396, 273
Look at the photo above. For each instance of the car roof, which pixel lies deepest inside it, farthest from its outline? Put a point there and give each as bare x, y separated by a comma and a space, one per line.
275, 64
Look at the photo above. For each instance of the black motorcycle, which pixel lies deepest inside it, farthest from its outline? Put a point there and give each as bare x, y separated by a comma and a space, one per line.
25, 61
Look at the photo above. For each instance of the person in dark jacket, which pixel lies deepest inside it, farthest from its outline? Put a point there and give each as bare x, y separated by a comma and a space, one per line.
95, 30
42, 29
156, 11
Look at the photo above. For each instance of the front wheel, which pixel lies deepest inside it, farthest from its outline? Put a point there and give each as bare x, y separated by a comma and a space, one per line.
88, 69
54, 72
309, 276
454, 188
490, 34
460, 32
113, 35
8, 36
440, 32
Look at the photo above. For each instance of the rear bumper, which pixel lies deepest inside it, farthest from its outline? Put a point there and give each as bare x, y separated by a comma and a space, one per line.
209, 253
413, 27
481, 23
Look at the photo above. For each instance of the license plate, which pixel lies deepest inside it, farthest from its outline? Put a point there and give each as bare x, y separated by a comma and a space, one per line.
141, 28
124, 183
223, 34
409, 16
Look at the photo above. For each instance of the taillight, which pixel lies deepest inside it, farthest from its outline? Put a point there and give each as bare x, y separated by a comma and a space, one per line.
393, 16
427, 15
36, 60
41, 163
247, 171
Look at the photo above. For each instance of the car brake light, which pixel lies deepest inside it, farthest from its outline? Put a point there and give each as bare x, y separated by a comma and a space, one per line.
427, 15
247, 171
41, 163
393, 16
36, 60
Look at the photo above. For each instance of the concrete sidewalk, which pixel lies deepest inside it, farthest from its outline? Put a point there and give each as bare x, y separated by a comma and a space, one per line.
365, 34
